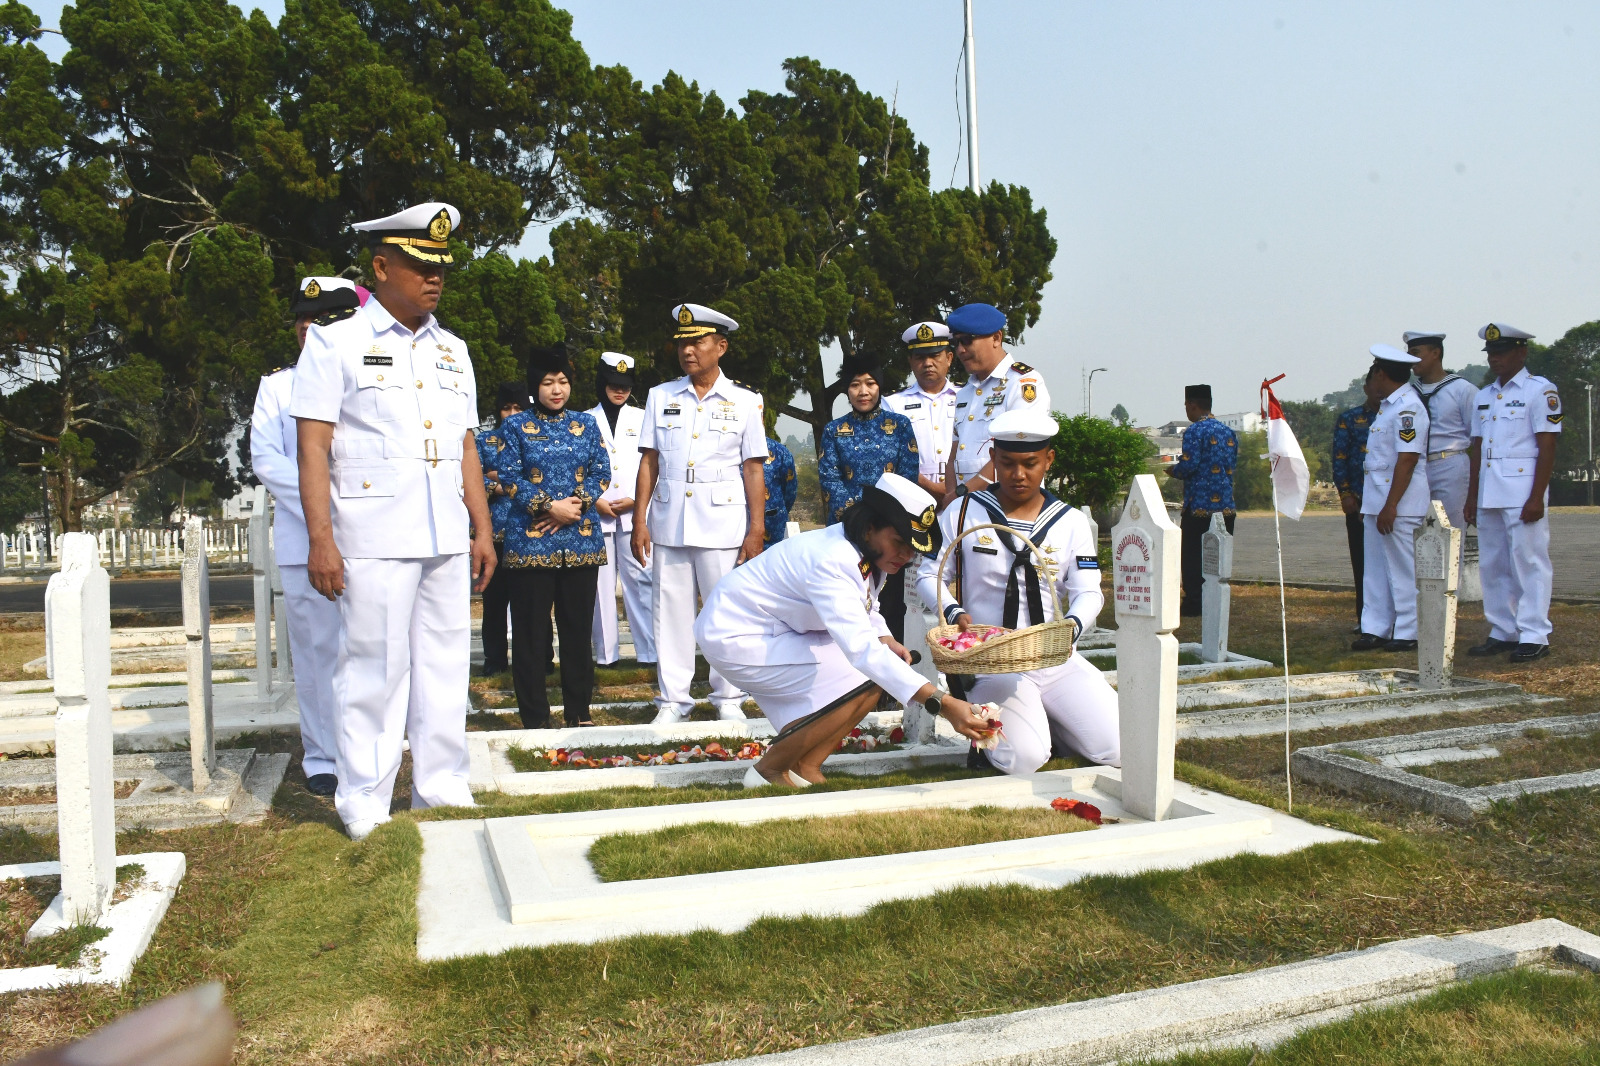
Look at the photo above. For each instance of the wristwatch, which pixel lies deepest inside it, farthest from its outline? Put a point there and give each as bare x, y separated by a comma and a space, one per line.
934, 703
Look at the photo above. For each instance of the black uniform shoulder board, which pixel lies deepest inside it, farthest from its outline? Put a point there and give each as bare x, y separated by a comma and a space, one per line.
338, 314
1020, 367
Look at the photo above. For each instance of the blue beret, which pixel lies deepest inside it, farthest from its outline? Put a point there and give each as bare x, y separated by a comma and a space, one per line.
980, 320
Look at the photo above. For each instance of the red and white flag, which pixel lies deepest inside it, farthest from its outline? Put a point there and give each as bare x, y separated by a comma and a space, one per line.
1290, 477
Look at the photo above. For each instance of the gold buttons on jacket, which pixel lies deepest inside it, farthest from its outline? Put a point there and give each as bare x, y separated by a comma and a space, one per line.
380, 377
696, 436
689, 492
427, 423
691, 462
419, 383
366, 484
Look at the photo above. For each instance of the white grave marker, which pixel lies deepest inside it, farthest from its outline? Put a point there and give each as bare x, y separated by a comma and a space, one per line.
1216, 594
283, 668
260, 563
78, 602
197, 630
1145, 565
1438, 561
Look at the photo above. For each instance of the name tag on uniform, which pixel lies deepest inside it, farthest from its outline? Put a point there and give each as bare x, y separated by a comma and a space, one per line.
377, 360
1088, 562
963, 403
913, 406
1483, 407
986, 551
672, 411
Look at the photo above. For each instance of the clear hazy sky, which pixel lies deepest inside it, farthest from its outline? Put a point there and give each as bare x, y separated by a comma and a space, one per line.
1239, 189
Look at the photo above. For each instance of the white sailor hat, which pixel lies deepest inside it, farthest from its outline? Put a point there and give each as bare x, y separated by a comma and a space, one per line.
1026, 429
1412, 336
617, 369
1389, 354
926, 337
912, 510
696, 320
422, 232
318, 294
1500, 335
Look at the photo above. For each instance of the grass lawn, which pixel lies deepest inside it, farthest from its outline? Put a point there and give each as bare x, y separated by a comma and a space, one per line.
314, 936
1530, 755
705, 847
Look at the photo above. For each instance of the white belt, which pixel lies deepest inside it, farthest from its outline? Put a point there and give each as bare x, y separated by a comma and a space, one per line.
692, 476
427, 449
1447, 453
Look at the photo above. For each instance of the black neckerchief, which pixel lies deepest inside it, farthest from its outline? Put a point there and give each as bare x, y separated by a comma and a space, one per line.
1050, 512
611, 411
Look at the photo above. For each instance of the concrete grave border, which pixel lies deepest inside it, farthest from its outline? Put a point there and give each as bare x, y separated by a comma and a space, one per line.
132, 923
1328, 765
1260, 1008
490, 885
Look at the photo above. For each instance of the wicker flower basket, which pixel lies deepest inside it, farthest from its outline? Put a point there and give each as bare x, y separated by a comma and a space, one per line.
1032, 648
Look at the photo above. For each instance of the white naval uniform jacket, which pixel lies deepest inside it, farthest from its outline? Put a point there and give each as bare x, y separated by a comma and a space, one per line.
1011, 386
1401, 425
932, 419
1068, 545
1509, 417
273, 449
699, 498
401, 404
761, 612
1450, 418
623, 449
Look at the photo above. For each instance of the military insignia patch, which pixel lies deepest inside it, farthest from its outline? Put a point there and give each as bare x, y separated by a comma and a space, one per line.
924, 332
685, 316
1552, 401
1088, 562
1554, 419
439, 228
865, 568
623, 366
312, 289
924, 520
1492, 333
1021, 368
1030, 392
984, 538
328, 318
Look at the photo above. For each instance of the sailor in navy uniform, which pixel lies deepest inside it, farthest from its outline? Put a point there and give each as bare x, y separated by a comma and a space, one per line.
1450, 400
1394, 501
781, 486
798, 628
619, 423
510, 399
1518, 417
313, 619
397, 519
996, 581
996, 383
698, 504
559, 466
928, 401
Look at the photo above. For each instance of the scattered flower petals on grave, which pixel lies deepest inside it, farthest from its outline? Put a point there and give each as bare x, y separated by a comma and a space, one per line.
1087, 811
897, 735
990, 711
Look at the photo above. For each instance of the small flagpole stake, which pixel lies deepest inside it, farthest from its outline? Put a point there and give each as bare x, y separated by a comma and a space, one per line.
1283, 620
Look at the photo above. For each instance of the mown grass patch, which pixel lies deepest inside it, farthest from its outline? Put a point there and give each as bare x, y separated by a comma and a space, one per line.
707, 847
1520, 757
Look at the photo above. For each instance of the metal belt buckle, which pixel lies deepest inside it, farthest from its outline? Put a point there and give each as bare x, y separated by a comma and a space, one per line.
688, 475
430, 451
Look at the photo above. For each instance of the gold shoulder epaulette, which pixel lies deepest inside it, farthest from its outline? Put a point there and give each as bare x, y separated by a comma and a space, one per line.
1020, 367
328, 318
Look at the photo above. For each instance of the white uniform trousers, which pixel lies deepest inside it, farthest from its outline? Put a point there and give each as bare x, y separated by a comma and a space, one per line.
637, 597
1447, 483
1389, 588
314, 650
1514, 562
684, 577
1072, 702
402, 674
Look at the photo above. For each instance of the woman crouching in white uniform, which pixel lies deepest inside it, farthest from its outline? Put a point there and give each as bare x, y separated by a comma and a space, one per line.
798, 628
1066, 707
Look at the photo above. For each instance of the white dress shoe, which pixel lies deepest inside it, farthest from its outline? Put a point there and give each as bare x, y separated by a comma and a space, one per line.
753, 779
359, 831
731, 712
799, 782
668, 715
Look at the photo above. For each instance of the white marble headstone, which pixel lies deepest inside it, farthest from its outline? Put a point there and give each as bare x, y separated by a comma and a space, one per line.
261, 579
1146, 552
1438, 561
197, 631
1216, 593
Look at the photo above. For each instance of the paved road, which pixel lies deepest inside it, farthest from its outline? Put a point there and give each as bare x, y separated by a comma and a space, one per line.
137, 593
1314, 551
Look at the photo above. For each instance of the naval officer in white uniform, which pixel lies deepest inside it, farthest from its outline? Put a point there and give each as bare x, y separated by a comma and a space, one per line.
799, 628
1518, 416
698, 504
996, 581
1394, 501
313, 619
1450, 400
928, 401
619, 424
995, 383
397, 519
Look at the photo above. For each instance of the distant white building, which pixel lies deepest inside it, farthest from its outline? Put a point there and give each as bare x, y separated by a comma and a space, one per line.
1247, 422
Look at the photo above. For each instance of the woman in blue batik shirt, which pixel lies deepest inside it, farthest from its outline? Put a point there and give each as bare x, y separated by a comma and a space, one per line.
497, 594
782, 485
554, 548
859, 448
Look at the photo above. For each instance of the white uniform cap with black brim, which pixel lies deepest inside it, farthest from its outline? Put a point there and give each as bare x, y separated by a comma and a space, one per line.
697, 320
421, 232
1497, 335
909, 508
1026, 429
926, 337
319, 294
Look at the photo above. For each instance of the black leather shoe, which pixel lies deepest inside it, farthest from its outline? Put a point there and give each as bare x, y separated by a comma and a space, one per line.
1367, 642
1527, 653
322, 784
1400, 645
1492, 646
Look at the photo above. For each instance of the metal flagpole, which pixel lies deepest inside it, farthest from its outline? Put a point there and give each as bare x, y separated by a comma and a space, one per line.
1283, 618
972, 103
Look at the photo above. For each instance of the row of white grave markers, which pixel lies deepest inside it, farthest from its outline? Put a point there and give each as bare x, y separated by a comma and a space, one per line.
30, 549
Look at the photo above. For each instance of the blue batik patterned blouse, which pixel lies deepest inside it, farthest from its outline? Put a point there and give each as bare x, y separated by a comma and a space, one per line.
782, 485
549, 457
1210, 450
1350, 450
858, 449
491, 446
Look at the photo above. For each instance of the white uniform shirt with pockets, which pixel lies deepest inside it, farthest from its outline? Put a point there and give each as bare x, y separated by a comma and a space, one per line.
1011, 386
1450, 415
933, 420
702, 443
1509, 417
401, 404
768, 611
273, 443
623, 448
1401, 425
1069, 547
